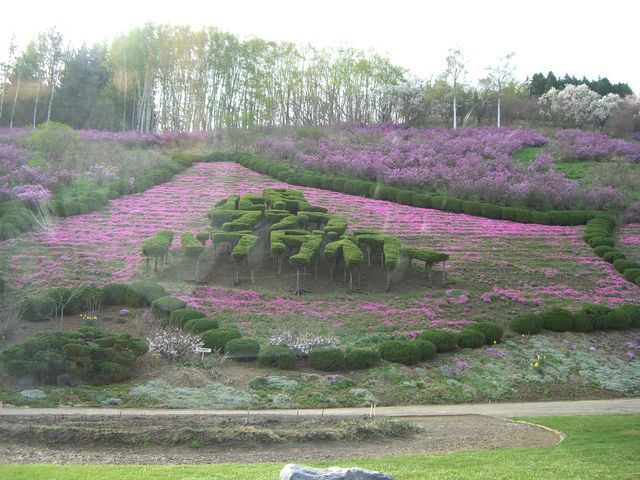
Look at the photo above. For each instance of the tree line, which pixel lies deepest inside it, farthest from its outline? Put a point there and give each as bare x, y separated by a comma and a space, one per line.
163, 77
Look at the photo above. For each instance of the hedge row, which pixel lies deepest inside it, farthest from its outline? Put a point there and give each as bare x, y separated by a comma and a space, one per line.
309, 178
587, 319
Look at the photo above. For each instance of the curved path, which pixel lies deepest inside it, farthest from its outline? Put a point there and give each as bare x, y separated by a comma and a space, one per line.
525, 409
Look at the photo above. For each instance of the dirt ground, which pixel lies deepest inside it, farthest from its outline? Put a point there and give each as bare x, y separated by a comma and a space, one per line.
433, 435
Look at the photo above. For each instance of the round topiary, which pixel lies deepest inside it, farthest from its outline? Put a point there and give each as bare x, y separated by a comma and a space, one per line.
278, 356
68, 301
114, 293
602, 249
217, 339
405, 197
631, 274
597, 314
421, 200
599, 241
613, 255
326, 359
181, 316
582, 322
244, 349
39, 308
527, 323
557, 319
633, 312
199, 325
141, 294
471, 338
621, 265
163, 307
427, 349
492, 331
400, 351
616, 320
443, 340
359, 358
471, 207
90, 297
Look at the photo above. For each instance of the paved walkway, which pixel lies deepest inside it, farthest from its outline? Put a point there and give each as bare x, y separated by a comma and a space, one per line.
525, 409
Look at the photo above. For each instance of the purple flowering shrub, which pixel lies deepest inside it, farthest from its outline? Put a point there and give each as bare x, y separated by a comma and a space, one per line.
575, 145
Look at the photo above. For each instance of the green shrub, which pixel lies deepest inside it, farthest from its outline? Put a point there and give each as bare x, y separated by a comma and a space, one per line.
421, 200
326, 359
68, 301
278, 356
427, 349
602, 249
39, 308
141, 294
527, 323
400, 351
622, 265
2, 286
381, 192
492, 331
631, 274
613, 255
599, 241
490, 210
217, 339
90, 297
164, 306
470, 338
200, 325
443, 340
453, 205
541, 218
597, 314
616, 320
633, 312
582, 322
181, 316
242, 349
471, 207
360, 358
114, 293
557, 319
405, 197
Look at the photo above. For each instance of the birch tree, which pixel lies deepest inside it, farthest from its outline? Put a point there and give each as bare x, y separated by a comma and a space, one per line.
498, 76
455, 72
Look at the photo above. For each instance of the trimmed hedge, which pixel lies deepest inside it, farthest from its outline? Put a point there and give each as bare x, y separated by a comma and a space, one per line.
631, 274
245, 349
613, 255
427, 349
200, 325
326, 359
141, 294
471, 338
278, 356
633, 312
181, 316
360, 358
400, 351
492, 331
557, 319
527, 323
443, 340
163, 307
114, 293
217, 339
39, 308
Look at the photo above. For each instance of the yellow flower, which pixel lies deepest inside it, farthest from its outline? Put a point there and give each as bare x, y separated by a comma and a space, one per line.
536, 364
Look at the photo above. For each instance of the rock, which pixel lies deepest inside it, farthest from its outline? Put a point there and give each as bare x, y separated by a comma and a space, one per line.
300, 472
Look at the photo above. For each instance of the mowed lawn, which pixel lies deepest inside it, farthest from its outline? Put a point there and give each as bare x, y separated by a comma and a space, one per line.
597, 447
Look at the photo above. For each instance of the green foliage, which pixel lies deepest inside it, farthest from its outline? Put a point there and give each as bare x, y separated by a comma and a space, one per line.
15, 218
400, 351
68, 301
405, 197
602, 249
242, 349
326, 359
597, 314
621, 265
430, 257
360, 358
158, 245
557, 319
277, 356
427, 349
87, 355
633, 312
391, 250
444, 340
163, 307
89, 297
200, 325
114, 293
470, 338
613, 255
492, 331
181, 316
471, 207
527, 323
421, 200
141, 294
191, 246
353, 256
490, 210
582, 322
244, 247
632, 274
599, 241
217, 339
615, 320
381, 192
39, 308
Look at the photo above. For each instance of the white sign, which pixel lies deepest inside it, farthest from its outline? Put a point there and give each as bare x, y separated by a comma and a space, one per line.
203, 350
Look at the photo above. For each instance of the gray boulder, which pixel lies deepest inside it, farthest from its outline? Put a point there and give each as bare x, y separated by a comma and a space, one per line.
300, 472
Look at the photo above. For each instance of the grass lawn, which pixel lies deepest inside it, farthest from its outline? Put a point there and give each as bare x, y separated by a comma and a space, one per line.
596, 447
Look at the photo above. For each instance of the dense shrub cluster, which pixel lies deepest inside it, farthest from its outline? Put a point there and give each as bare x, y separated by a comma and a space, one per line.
277, 356
87, 355
587, 319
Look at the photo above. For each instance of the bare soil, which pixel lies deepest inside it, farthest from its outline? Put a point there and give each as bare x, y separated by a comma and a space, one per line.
30, 439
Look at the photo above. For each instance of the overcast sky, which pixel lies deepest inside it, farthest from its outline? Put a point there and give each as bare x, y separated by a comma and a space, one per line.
563, 36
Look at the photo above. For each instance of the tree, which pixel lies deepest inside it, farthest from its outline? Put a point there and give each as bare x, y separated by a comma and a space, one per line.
455, 71
498, 76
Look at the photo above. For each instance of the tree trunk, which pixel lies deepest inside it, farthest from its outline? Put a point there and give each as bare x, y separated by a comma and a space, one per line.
15, 100
498, 122
53, 89
455, 111
35, 107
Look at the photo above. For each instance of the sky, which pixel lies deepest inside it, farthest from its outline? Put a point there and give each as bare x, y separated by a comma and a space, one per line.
563, 36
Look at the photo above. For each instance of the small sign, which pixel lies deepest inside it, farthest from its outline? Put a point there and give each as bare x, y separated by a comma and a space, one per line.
203, 350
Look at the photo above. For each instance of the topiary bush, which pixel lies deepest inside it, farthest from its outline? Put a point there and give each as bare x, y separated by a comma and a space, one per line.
443, 340
492, 331
326, 359
597, 314
582, 322
277, 356
141, 294
400, 351
405, 197
90, 297
633, 312
360, 358
622, 264
490, 210
68, 301
600, 241
527, 323
200, 325
114, 293
602, 249
616, 320
613, 255
179, 317
39, 308
244, 349
162, 307
631, 274
471, 338
217, 339
471, 207
427, 349
557, 319
421, 200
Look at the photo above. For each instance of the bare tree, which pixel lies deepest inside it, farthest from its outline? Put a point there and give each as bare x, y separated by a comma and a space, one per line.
499, 76
455, 71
